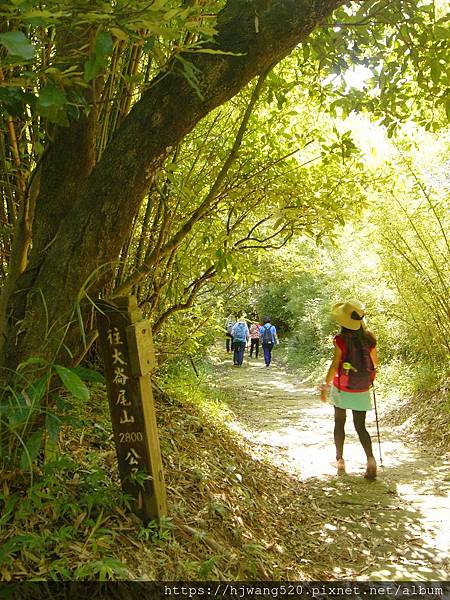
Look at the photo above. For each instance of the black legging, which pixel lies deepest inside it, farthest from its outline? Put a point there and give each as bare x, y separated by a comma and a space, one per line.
254, 345
359, 420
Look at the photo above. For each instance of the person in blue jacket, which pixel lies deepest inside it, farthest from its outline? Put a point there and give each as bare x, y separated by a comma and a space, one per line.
240, 336
268, 339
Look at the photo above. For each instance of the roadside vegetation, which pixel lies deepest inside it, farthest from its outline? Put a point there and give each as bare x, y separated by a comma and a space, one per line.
233, 515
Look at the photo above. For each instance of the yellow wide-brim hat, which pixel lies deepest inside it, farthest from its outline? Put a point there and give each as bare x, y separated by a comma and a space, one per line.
349, 314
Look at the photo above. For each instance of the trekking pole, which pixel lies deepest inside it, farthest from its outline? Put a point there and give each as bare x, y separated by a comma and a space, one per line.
376, 419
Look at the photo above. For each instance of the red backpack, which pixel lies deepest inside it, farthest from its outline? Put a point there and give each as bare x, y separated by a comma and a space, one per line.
356, 369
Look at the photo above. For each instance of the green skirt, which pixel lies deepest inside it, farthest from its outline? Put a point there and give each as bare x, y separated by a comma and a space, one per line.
351, 400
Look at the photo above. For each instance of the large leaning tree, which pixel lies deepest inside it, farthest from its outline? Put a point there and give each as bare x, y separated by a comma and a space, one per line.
73, 210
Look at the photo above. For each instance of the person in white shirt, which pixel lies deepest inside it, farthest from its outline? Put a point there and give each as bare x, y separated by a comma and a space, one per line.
229, 323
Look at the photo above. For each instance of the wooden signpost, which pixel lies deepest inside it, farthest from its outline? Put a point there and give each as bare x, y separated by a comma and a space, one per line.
127, 348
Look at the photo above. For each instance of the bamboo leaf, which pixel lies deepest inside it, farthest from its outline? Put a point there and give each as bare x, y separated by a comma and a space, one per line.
52, 425
88, 374
51, 97
103, 44
34, 360
31, 450
38, 389
211, 51
91, 68
436, 69
72, 383
17, 44
52, 104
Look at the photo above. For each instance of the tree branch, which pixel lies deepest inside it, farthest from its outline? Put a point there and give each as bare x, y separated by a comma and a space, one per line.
194, 287
201, 210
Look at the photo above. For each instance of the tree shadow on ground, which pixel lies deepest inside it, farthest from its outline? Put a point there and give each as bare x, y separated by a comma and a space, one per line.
371, 532
391, 529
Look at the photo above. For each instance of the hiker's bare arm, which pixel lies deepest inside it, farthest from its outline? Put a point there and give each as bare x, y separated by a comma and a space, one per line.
374, 357
330, 374
334, 365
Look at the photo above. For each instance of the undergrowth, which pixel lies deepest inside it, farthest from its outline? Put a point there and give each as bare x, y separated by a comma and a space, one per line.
232, 514
72, 522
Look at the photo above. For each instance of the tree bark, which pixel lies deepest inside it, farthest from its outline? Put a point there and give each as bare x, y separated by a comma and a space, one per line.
90, 234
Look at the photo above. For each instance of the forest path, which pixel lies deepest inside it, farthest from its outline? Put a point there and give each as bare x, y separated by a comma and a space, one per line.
393, 528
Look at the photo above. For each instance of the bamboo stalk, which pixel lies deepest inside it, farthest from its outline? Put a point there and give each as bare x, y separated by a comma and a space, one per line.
423, 243
430, 204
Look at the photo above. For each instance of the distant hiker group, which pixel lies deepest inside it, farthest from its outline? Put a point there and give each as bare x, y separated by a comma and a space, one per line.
238, 335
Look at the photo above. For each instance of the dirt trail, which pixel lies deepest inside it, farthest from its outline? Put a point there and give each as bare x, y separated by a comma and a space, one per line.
406, 510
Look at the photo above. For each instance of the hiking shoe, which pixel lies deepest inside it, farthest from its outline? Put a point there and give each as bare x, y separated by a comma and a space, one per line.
340, 466
371, 470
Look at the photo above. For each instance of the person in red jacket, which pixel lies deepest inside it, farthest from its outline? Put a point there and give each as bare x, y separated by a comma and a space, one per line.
349, 379
255, 336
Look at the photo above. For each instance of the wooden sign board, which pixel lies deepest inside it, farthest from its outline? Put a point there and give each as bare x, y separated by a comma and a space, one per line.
127, 349
140, 343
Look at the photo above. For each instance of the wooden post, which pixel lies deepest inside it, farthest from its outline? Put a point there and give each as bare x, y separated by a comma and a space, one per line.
127, 348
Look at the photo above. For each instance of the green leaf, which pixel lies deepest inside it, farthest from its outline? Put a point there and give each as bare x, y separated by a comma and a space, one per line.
220, 509
17, 44
52, 425
89, 375
38, 389
441, 33
207, 566
50, 96
211, 51
447, 108
13, 100
61, 403
18, 416
72, 383
91, 68
31, 451
43, 18
51, 104
120, 34
97, 62
190, 73
34, 360
436, 69
103, 44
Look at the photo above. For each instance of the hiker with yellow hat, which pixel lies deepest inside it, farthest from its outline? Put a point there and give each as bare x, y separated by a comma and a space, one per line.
349, 378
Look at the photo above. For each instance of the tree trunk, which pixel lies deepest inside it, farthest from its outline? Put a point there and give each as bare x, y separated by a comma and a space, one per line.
82, 244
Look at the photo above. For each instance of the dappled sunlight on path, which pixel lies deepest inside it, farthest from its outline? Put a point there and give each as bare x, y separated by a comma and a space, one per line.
403, 516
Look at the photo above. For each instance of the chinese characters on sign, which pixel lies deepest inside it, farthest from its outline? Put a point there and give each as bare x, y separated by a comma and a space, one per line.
125, 340
120, 377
